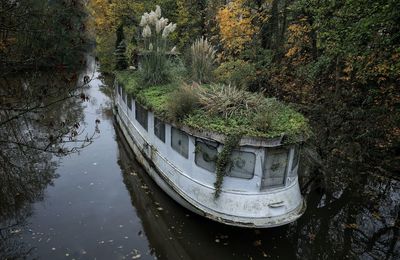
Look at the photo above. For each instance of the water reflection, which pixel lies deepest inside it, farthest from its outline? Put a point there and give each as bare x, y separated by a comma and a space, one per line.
105, 206
40, 120
359, 221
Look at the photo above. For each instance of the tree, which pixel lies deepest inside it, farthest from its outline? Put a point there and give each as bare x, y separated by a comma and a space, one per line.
190, 22
235, 25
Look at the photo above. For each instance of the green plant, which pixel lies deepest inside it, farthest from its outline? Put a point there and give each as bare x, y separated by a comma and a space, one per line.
155, 33
224, 159
228, 101
202, 57
182, 102
259, 117
121, 62
238, 73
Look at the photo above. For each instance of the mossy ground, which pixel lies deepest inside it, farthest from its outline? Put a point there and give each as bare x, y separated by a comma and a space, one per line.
279, 119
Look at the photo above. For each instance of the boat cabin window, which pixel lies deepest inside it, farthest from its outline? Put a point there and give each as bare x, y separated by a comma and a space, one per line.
180, 142
206, 154
123, 95
141, 115
275, 168
242, 165
296, 156
129, 101
295, 162
159, 129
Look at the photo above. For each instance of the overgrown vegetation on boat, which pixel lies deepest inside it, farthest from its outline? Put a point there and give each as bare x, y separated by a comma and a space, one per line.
161, 84
219, 108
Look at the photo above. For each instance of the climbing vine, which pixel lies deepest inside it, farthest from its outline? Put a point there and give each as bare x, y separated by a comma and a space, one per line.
223, 160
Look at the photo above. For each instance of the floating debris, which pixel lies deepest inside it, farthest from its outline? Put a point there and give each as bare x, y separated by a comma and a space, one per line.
257, 243
16, 231
136, 254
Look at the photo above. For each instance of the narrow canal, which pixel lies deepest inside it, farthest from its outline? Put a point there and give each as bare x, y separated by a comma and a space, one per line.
100, 204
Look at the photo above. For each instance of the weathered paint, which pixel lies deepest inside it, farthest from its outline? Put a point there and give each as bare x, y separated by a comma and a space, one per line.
241, 203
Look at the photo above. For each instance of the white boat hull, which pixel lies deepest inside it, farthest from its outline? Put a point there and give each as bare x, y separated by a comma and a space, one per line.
245, 208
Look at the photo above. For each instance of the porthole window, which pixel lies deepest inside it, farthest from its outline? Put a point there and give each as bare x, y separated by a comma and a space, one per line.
141, 115
180, 142
206, 154
242, 165
275, 168
159, 129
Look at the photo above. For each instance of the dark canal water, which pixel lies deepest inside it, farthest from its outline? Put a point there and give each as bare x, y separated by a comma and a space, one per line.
98, 203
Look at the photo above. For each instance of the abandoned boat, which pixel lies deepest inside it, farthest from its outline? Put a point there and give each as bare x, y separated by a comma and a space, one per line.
260, 190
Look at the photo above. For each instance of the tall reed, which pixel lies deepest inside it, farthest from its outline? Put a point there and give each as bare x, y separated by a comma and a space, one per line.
202, 60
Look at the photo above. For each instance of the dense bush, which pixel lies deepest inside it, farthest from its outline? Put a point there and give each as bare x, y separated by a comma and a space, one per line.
182, 102
228, 101
238, 73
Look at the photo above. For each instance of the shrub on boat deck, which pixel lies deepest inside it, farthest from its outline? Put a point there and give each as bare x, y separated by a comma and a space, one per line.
202, 60
256, 116
182, 102
228, 101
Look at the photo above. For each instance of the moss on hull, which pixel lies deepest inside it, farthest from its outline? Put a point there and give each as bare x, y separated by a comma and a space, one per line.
278, 119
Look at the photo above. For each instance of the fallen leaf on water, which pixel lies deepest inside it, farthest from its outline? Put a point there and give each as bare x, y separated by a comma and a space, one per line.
15, 231
376, 215
136, 254
257, 243
351, 225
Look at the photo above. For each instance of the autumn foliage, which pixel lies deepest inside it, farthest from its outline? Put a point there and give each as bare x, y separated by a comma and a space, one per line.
236, 29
